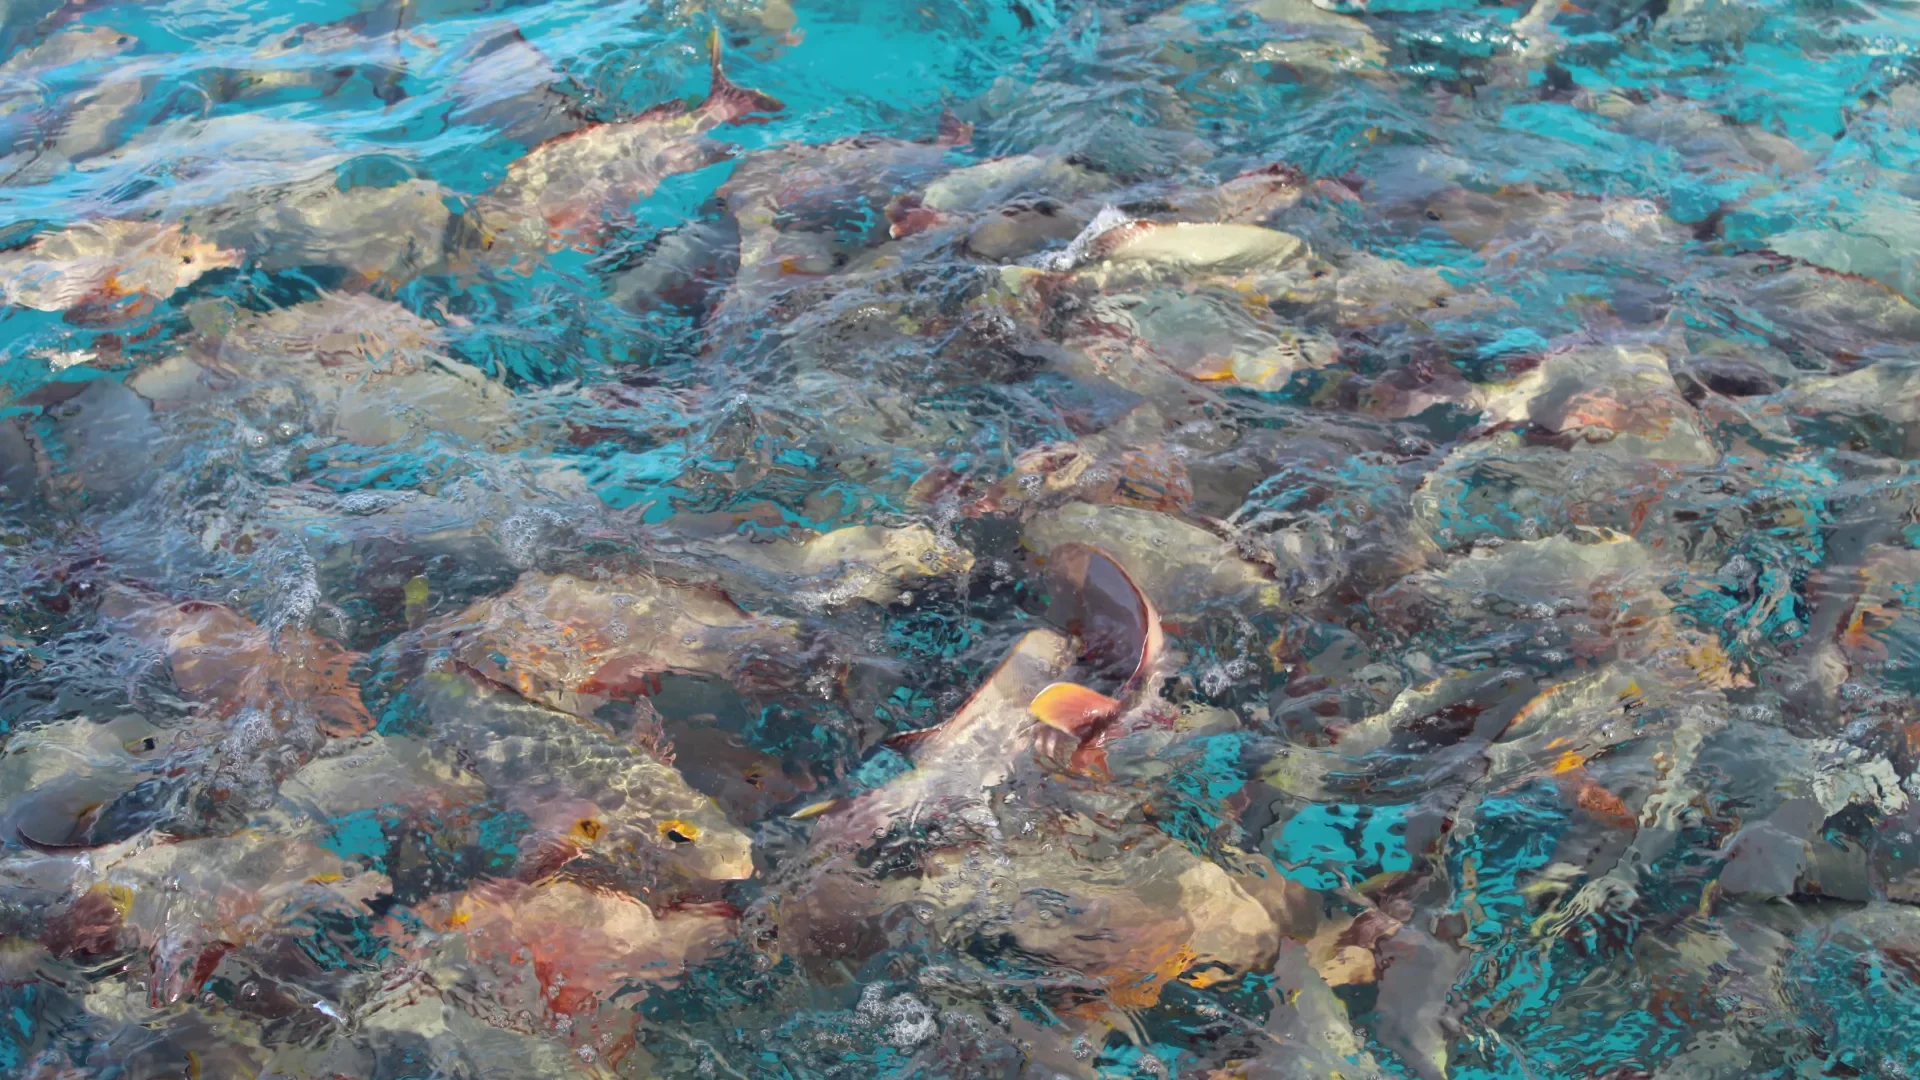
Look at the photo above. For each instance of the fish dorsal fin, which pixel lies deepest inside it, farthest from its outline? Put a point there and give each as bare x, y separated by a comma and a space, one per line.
907, 742
727, 103
952, 130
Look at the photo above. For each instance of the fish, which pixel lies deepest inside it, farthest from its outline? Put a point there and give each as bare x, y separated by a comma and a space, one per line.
561, 959
1621, 398
584, 791
686, 269
219, 656
1150, 306
1122, 649
1185, 568
185, 905
561, 192
1119, 467
364, 236
77, 128
875, 563
275, 695
89, 446
507, 83
573, 643
1252, 197
1007, 207
393, 560
62, 779
959, 761
367, 370
799, 208
61, 48
322, 59
107, 268
1591, 595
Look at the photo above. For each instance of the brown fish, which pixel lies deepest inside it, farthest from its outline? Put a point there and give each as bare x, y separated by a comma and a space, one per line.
562, 191
366, 369
958, 762
1122, 649
219, 656
573, 643
187, 904
560, 959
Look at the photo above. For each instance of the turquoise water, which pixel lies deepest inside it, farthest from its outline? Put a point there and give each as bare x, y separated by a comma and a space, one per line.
523, 558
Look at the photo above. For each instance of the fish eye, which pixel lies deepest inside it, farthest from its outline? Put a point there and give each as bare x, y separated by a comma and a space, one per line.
1433, 215
187, 260
680, 832
587, 829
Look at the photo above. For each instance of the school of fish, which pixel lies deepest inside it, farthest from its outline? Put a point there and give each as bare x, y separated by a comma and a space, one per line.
1227, 546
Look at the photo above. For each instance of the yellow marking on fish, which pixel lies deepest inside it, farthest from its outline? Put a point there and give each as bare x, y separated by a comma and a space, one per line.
193, 1066
416, 593
1143, 991
1568, 762
459, 918
1200, 980
813, 810
588, 829
324, 879
119, 896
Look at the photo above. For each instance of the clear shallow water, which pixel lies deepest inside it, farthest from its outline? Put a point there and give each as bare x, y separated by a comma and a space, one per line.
474, 544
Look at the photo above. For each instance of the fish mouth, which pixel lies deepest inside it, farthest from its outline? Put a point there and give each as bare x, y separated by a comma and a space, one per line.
708, 852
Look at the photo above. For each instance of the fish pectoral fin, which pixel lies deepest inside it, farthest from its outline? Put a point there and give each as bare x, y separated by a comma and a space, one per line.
1072, 708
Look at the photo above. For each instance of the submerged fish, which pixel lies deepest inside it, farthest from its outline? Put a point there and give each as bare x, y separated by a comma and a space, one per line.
864, 562
584, 791
960, 762
370, 236
1184, 568
560, 959
274, 695
107, 267
367, 370
563, 191
573, 643
186, 905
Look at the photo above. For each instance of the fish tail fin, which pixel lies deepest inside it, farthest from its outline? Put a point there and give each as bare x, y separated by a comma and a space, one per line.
727, 103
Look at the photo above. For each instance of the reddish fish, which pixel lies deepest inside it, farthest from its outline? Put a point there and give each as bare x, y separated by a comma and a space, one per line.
561, 193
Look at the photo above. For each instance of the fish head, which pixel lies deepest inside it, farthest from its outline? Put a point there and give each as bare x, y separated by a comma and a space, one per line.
684, 832
194, 256
703, 845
